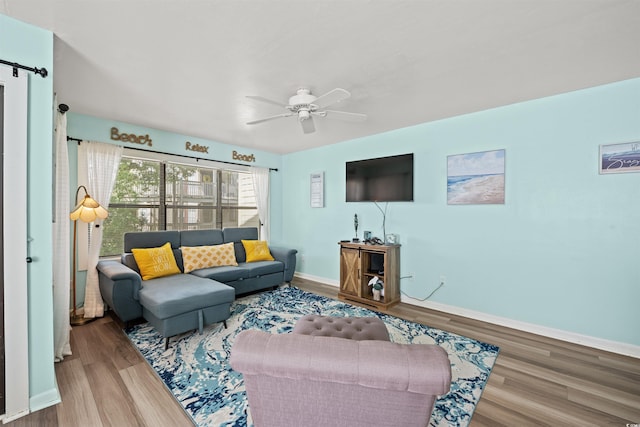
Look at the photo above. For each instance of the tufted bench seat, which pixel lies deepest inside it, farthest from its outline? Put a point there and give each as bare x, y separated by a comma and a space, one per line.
182, 302
354, 328
336, 381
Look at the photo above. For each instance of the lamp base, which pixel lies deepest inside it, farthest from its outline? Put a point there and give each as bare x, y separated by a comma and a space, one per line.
79, 320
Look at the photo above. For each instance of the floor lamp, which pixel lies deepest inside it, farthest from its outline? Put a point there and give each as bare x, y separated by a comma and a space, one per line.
86, 211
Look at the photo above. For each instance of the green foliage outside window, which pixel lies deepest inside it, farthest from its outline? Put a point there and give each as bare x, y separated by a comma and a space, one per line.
191, 199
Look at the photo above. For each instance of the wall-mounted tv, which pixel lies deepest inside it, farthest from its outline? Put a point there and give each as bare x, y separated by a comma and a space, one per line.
383, 179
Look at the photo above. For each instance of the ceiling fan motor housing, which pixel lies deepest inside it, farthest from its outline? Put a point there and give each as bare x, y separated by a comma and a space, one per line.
302, 102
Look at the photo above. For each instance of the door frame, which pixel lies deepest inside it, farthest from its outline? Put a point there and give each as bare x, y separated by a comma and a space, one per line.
16, 321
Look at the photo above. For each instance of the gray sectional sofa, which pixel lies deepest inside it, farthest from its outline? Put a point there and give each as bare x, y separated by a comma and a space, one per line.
181, 302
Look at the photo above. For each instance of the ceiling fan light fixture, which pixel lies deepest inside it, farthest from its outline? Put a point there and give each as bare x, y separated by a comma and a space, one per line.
303, 115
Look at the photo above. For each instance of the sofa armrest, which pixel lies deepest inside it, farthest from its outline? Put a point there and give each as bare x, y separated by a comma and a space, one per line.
288, 258
115, 270
119, 286
416, 368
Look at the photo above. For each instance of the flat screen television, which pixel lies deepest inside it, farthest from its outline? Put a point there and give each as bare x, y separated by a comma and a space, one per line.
383, 179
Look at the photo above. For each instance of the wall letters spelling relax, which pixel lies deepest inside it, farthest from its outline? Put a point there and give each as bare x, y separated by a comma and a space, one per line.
196, 147
129, 137
243, 157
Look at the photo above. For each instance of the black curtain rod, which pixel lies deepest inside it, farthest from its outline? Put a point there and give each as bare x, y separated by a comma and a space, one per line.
42, 71
179, 155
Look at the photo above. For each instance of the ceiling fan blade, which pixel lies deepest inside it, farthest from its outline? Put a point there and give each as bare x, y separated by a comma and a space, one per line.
268, 101
331, 97
270, 118
346, 116
307, 125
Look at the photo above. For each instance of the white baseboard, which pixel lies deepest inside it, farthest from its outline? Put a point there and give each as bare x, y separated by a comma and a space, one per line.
572, 337
318, 279
44, 400
12, 417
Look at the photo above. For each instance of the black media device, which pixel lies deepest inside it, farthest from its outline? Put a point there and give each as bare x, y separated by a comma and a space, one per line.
376, 263
383, 179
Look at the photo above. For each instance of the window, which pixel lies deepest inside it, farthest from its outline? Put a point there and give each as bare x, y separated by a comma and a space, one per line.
153, 195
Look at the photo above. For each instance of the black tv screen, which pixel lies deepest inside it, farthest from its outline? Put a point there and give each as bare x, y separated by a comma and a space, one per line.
383, 179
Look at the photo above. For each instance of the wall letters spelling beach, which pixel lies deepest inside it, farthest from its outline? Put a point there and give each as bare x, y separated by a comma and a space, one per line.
129, 137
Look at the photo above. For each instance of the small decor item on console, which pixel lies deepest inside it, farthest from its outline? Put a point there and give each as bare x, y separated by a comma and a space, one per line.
355, 225
375, 241
377, 288
392, 239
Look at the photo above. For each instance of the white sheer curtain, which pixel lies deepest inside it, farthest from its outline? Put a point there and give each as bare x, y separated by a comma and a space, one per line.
261, 190
101, 161
61, 257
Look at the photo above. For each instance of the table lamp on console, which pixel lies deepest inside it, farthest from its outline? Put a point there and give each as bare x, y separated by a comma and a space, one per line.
88, 210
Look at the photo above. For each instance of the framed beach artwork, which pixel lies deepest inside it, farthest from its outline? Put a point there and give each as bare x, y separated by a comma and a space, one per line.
476, 178
620, 158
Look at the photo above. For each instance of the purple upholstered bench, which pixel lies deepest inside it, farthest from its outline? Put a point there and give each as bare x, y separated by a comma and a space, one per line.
355, 328
338, 382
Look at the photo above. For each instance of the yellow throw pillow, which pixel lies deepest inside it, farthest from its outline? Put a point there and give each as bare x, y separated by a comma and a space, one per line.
257, 250
197, 257
156, 262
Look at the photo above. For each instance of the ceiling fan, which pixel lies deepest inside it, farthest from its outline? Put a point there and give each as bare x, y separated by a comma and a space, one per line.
304, 105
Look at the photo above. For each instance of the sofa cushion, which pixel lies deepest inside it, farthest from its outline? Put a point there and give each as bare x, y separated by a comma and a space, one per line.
128, 260
198, 257
236, 234
155, 262
260, 268
223, 274
151, 239
173, 295
256, 250
201, 237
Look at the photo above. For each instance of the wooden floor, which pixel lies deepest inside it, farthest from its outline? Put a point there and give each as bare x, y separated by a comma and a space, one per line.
536, 380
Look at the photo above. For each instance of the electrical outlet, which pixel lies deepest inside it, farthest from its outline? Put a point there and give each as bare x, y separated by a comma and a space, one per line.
443, 279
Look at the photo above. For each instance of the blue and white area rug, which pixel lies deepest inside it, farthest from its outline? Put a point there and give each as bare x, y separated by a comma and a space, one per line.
195, 368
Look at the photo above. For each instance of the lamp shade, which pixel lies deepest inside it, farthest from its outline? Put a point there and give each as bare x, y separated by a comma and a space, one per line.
88, 210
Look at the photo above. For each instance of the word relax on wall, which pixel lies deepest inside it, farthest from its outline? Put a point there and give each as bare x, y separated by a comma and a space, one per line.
244, 157
196, 147
130, 137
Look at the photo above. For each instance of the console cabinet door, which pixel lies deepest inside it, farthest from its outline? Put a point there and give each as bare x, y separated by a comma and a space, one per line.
349, 271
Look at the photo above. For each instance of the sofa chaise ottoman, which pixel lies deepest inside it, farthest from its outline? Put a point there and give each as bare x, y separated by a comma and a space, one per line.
180, 303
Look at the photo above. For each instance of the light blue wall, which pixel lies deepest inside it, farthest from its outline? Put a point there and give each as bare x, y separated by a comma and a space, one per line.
31, 46
97, 129
91, 128
561, 252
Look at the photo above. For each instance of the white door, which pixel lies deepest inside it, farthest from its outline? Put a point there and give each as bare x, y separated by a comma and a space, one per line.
13, 141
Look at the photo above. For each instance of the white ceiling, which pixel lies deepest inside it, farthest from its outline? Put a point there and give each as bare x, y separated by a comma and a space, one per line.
186, 66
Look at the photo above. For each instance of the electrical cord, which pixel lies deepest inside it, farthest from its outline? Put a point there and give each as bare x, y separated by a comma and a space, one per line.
425, 298
384, 219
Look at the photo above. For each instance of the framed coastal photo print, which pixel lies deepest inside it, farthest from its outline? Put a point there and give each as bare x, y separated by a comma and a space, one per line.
476, 178
620, 158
